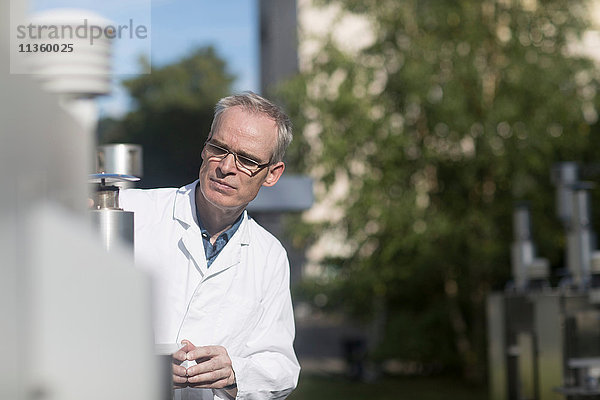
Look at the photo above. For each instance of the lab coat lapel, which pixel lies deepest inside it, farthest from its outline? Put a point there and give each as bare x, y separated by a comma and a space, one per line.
227, 258
192, 242
184, 211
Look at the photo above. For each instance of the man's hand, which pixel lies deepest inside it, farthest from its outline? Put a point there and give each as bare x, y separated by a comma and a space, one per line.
212, 370
179, 371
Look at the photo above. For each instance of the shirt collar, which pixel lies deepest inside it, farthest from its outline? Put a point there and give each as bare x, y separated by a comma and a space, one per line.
225, 235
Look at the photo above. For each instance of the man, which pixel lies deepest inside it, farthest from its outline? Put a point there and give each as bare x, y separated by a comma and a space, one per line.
221, 280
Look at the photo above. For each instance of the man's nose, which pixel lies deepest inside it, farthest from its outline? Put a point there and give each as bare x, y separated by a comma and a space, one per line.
227, 164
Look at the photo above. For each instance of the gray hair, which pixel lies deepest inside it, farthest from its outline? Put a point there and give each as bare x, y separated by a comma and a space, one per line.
253, 103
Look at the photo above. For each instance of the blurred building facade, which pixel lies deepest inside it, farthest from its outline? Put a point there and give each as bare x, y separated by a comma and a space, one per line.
278, 41
323, 343
293, 34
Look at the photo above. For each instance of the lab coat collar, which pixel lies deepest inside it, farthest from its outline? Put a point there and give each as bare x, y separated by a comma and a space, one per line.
244, 230
185, 212
184, 208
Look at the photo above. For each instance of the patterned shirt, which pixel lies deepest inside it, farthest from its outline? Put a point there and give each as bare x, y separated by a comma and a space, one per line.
211, 251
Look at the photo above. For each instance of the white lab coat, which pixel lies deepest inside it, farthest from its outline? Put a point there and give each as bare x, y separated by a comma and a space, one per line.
242, 302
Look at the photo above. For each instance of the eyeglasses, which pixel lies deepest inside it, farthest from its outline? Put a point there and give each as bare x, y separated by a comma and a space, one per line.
244, 164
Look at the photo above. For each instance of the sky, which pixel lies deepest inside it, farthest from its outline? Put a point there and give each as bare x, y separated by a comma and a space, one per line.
176, 27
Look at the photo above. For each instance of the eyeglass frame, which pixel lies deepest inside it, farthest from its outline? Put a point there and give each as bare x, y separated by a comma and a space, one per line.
238, 165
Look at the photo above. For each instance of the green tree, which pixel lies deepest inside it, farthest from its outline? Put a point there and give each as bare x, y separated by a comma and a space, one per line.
172, 115
456, 110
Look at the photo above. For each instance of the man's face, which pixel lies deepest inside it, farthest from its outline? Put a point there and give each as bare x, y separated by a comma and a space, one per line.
222, 184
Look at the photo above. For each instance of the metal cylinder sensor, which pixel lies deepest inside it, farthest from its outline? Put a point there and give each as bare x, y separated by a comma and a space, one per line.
114, 226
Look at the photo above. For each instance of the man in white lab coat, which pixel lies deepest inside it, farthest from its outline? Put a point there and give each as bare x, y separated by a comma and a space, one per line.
222, 281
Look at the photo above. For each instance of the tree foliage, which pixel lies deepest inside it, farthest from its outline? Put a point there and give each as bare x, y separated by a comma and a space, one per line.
171, 120
456, 110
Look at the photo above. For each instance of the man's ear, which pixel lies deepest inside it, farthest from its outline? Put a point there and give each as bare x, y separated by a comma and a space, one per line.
274, 173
